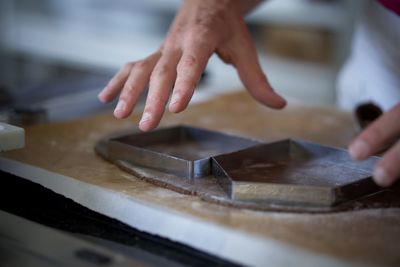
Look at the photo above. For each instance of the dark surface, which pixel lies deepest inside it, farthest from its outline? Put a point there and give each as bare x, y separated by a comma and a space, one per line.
36, 203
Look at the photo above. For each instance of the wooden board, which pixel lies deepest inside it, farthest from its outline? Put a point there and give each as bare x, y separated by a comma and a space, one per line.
61, 157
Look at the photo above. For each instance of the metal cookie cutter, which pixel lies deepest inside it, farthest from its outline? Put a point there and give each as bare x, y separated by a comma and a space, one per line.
182, 150
293, 171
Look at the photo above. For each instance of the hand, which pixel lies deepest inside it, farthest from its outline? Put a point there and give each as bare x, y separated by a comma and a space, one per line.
200, 28
381, 133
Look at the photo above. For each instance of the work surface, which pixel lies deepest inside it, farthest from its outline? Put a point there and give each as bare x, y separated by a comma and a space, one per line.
65, 157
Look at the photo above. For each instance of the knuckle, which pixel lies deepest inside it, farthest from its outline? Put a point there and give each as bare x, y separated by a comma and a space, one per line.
124, 98
372, 134
162, 70
142, 64
202, 29
128, 89
171, 45
185, 84
184, 74
260, 77
176, 33
157, 101
126, 95
111, 84
114, 83
205, 34
189, 61
128, 65
179, 93
188, 70
152, 108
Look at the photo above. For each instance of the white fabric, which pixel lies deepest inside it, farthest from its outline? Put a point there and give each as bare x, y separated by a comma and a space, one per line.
372, 72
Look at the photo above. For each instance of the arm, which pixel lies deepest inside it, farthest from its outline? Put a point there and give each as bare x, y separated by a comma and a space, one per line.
200, 28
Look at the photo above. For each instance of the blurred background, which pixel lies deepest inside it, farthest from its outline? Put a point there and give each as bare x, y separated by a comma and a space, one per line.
57, 55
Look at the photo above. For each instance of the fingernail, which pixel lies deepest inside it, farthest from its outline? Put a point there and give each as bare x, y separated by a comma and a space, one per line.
359, 150
100, 96
174, 99
284, 102
145, 117
120, 108
173, 106
381, 177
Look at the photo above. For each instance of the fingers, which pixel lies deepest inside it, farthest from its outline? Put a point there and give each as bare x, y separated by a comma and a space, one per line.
246, 62
134, 85
115, 85
161, 71
377, 135
387, 171
189, 70
161, 82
